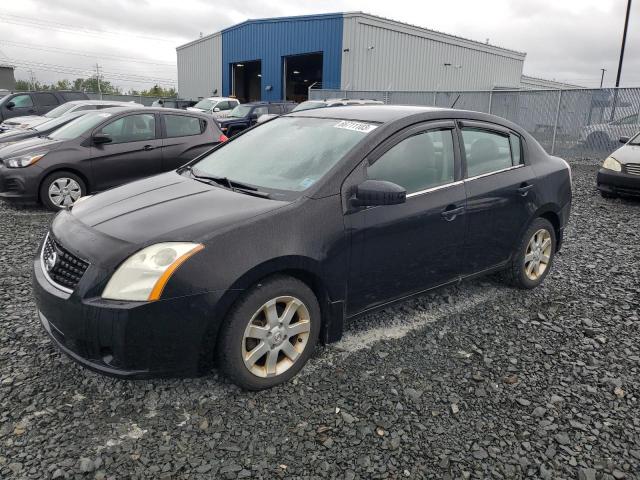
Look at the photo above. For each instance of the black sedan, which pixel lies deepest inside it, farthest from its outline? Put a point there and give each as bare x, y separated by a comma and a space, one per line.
620, 172
101, 150
257, 250
41, 130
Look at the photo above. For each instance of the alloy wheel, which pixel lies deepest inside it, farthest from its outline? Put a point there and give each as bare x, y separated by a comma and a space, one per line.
276, 336
64, 191
538, 254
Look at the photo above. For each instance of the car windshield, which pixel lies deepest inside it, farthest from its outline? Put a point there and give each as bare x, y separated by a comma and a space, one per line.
53, 123
206, 104
287, 153
79, 126
240, 111
59, 111
309, 105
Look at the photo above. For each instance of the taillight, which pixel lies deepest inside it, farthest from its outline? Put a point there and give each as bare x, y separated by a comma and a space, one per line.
223, 138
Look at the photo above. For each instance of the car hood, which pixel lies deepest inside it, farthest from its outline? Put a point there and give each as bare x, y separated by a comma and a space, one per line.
15, 136
230, 120
627, 154
169, 207
29, 145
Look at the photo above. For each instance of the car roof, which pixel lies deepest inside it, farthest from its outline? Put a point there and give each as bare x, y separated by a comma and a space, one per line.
101, 102
163, 110
219, 98
368, 113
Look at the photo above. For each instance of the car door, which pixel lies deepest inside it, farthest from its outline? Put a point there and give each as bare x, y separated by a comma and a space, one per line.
22, 105
402, 249
501, 193
185, 137
45, 102
135, 150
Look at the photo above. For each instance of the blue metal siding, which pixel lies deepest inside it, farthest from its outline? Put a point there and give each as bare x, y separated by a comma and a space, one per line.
271, 39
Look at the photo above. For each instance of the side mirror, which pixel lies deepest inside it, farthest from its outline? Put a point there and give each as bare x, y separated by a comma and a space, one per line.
10, 105
372, 193
624, 139
216, 109
100, 138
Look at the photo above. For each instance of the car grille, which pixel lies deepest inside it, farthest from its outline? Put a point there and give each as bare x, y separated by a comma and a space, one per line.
61, 267
633, 168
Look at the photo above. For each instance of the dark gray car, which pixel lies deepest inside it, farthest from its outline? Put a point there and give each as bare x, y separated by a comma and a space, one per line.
101, 150
35, 103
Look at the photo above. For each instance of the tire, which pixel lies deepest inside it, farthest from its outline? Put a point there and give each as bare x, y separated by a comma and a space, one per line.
519, 273
249, 317
60, 180
607, 194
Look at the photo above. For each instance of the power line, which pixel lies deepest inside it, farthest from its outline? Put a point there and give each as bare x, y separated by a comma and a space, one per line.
64, 27
30, 46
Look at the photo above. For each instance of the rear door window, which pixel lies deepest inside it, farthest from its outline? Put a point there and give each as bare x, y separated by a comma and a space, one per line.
183, 126
46, 99
486, 151
258, 111
275, 109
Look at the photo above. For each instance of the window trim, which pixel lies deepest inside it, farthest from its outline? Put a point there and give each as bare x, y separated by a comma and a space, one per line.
417, 129
158, 131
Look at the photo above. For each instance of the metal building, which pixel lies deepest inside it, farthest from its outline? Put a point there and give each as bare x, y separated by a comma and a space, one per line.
279, 58
7, 78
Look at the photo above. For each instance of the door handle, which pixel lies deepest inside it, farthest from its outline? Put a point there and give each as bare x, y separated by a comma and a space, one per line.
524, 189
148, 147
451, 212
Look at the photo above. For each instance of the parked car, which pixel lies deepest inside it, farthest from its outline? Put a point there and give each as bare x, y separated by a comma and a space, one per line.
332, 102
247, 115
64, 109
101, 150
257, 250
41, 130
620, 172
35, 103
218, 107
173, 103
603, 136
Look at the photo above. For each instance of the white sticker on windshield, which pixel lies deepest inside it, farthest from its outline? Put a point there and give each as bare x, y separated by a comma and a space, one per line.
357, 126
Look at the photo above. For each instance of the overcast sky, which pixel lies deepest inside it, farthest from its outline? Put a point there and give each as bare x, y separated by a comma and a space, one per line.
134, 40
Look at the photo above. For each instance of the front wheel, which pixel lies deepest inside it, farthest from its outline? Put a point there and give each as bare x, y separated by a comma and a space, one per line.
270, 334
61, 190
534, 256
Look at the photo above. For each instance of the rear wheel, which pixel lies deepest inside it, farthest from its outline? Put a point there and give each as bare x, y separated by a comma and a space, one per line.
534, 256
61, 190
607, 194
270, 334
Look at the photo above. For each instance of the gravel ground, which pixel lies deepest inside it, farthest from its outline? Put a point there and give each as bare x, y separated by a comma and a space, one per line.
475, 381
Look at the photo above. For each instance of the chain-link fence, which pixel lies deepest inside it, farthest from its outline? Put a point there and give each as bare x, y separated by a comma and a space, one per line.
146, 101
575, 122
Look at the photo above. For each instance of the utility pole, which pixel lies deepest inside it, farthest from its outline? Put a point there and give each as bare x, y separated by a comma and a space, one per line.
602, 77
32, 78
98, 78
624, 41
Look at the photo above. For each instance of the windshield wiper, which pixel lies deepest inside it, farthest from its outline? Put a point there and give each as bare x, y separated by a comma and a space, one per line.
230, 184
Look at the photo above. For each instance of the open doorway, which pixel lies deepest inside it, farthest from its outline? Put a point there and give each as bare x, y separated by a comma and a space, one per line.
300, 72
246, 82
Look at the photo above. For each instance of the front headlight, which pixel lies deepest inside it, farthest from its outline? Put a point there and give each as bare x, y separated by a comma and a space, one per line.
143, 276
24, 160
611, 163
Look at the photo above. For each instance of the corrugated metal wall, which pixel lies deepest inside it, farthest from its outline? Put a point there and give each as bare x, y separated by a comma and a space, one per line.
271, 39
200, 67
388, 55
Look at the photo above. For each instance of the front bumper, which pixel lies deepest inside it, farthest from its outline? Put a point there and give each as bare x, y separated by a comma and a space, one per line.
618, 183
166, 338
19, 184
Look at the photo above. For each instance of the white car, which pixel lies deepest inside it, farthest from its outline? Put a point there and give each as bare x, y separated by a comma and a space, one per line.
64, 109
218, 107
604, 135
331, 102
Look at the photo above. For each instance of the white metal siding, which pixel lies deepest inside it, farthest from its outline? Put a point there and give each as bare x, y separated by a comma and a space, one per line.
200, 67
404, 57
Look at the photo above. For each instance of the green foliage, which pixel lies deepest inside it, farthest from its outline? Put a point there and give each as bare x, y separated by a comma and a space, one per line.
90, 84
